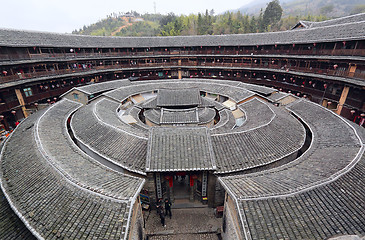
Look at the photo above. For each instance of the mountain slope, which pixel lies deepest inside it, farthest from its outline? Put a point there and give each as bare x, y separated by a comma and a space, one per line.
330, 8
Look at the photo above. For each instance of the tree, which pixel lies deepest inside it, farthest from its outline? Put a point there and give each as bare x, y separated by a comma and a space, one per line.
272, 14
167, 19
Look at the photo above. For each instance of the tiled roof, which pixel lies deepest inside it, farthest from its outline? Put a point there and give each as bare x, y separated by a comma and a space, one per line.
226, 122
206, 115
332, 22
51, 204
277, 96
327, 211
314, 167
11, 227
68, 159
257, 88
106, 110
257, 113
178, 97
171, 116
18, 38
153, 115
179, 149
119, 146
103, 86
237, 94
238, 150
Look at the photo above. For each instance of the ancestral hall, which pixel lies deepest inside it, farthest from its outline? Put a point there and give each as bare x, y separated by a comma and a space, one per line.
234, 121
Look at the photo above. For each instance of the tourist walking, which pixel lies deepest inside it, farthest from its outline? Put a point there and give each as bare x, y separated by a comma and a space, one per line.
162, 216
168, 207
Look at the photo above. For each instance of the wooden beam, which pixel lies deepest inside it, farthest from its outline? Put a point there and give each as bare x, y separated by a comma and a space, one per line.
19, 95
343, 98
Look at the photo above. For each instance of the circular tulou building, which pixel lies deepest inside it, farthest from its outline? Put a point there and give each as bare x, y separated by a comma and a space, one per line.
256, 123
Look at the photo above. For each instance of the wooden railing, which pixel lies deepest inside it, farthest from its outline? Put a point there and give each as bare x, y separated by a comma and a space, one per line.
213, 53
253, 66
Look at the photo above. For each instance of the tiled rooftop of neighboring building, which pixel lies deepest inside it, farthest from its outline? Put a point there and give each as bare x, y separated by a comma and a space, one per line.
324, 32
179, 149
178, 97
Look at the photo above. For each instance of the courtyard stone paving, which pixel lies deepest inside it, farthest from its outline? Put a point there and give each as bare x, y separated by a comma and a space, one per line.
187, 224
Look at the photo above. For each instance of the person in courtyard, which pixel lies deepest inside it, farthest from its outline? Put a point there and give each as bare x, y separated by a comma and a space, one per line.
162, 216
168, 207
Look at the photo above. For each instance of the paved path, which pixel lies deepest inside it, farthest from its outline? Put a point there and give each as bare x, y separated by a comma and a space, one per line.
186, 224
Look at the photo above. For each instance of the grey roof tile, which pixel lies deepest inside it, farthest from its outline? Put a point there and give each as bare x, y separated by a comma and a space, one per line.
314, 167
244, 148
172, 116
179, 149
25, 172
120, 146
178, 97
103, 86
310, 215
257, 113
18, 38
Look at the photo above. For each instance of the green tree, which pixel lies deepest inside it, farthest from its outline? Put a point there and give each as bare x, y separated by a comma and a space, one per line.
272, 14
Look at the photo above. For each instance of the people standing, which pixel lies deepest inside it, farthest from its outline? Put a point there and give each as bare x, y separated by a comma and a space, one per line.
162, 216
168, 207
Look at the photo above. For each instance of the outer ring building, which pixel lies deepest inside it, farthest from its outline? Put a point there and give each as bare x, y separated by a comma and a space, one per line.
135, 114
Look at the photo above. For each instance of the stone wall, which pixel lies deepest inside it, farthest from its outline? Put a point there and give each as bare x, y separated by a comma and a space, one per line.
219, 194
231, 226
137, 231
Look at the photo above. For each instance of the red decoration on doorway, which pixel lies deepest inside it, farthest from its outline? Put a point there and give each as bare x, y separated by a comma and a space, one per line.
171, 182
191, 182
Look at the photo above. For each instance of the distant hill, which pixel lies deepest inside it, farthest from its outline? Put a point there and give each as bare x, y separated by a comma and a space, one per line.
329, 8
123, 24
247, 20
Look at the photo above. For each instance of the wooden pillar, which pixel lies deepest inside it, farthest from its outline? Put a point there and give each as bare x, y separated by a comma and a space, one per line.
179, 71
21, 101
354, 50
343, 98
352, 70
324, 102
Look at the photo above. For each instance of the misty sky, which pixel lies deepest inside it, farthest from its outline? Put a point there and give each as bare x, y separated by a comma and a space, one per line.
66, 15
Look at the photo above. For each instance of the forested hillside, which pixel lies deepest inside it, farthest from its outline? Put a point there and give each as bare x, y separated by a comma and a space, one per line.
135, 24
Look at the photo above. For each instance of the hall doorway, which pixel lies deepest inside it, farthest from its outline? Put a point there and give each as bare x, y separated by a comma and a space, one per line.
181, 186
185, 188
